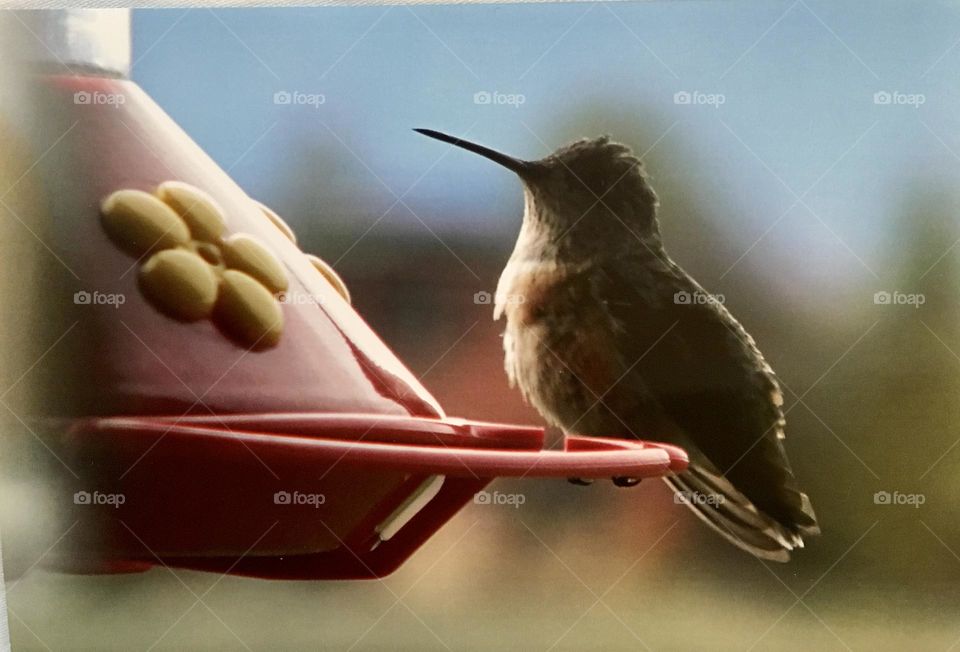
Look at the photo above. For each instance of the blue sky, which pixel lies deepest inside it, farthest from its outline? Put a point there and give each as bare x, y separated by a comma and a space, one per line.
797, 81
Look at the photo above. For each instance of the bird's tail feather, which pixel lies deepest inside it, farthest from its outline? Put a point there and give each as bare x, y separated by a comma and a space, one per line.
718, 503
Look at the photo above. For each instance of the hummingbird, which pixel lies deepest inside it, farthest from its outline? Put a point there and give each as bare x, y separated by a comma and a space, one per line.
607, 336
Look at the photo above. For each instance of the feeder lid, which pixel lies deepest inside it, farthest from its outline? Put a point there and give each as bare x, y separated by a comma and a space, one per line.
82, 40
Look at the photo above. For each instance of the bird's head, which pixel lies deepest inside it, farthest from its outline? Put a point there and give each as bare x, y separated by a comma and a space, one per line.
589, 196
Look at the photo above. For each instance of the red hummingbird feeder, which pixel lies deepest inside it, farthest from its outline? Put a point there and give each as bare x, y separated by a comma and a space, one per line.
216, 421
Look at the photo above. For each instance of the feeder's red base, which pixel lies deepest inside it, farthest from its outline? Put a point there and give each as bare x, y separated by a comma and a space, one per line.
263, 488
301, 496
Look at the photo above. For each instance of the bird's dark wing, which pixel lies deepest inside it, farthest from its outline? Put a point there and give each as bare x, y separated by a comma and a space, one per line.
714, 385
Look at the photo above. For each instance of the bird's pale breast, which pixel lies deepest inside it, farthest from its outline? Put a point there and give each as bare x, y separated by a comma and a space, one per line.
557, 345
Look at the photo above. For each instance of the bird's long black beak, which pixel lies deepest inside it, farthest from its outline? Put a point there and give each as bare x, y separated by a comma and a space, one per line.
514, 164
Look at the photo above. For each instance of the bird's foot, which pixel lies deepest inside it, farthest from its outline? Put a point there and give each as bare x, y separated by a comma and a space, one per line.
580, 482
624, 481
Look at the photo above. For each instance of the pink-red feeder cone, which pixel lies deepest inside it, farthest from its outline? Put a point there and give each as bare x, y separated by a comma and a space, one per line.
317, 457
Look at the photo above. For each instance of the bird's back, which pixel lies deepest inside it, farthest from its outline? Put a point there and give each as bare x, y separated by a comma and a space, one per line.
634, 347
